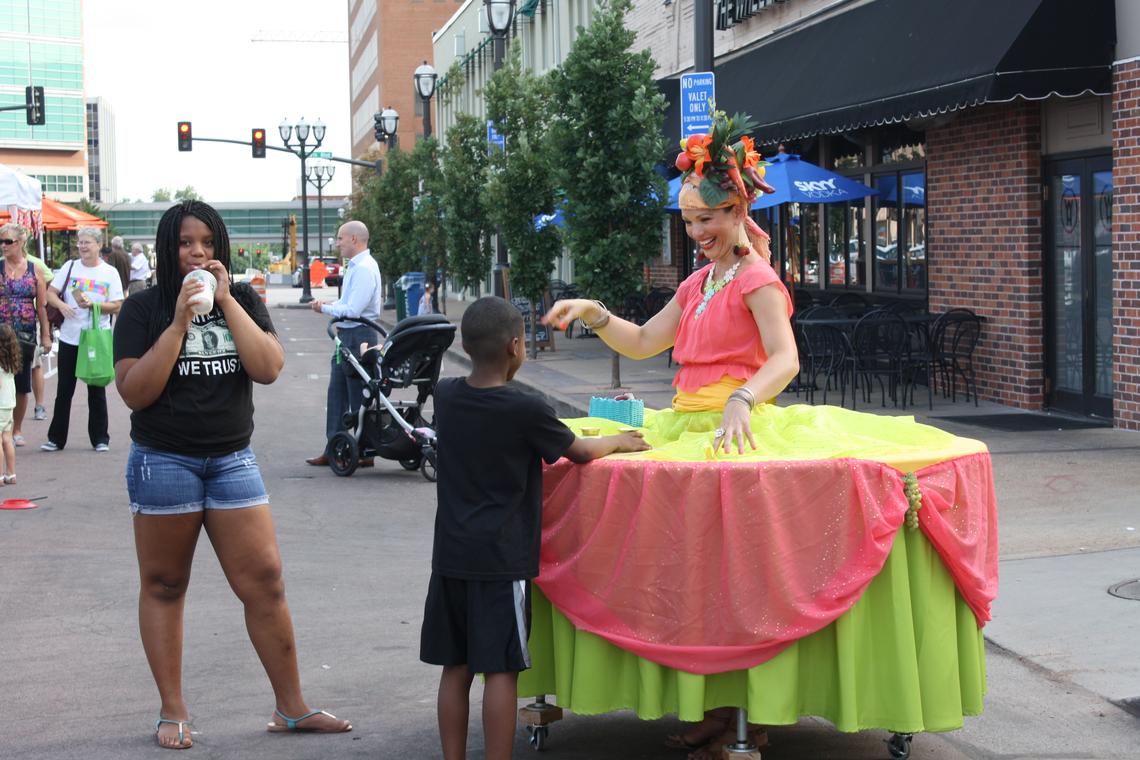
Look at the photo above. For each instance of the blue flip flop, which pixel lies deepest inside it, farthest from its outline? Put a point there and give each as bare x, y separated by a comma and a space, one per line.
291, 724
181, 732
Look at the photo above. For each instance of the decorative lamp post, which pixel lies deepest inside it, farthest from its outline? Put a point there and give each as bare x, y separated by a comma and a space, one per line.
500, 15
389, 122
319, 176
425, 78
303, 149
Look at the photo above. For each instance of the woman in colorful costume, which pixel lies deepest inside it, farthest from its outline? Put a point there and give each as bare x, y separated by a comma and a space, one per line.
729, 327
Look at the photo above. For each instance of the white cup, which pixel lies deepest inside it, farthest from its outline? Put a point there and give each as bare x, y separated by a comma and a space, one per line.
203, 302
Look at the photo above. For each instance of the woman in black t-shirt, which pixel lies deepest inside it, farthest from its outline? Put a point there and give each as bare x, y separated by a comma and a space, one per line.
190, 464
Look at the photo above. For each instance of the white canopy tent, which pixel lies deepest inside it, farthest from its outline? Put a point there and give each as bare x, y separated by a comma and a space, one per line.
21, 197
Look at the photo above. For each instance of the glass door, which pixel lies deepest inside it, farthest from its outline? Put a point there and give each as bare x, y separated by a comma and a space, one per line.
1078, 267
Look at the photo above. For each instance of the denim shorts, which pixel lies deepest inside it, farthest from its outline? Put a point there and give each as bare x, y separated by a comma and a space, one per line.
164, 483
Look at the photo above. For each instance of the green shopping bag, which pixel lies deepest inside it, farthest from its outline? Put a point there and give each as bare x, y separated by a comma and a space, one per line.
95, 364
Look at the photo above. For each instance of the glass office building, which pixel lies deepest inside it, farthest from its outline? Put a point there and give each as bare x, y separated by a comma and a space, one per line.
41, 43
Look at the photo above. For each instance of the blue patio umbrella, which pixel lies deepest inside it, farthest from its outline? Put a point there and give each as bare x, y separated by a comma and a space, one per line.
796, 181
914, 191
799, 181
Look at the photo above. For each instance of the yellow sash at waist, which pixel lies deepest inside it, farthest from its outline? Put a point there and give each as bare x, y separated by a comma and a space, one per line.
708, 398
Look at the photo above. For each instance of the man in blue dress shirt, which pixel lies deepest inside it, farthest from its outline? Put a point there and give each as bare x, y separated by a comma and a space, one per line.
360, 297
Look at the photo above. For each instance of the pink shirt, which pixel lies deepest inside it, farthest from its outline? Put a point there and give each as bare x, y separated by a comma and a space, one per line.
724, 340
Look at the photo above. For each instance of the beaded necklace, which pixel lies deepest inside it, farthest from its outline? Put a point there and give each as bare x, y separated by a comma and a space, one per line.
712, 288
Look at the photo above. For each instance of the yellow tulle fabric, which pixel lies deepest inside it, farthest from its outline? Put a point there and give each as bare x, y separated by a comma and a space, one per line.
797, 432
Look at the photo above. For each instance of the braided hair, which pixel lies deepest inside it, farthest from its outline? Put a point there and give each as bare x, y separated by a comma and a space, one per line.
168, 276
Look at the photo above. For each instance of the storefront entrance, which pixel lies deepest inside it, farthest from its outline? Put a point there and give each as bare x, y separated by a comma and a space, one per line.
1078, 278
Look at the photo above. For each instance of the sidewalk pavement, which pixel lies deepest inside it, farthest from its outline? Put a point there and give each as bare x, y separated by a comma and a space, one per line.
1068, 501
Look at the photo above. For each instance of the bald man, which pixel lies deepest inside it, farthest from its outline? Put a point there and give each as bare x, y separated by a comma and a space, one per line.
360, 297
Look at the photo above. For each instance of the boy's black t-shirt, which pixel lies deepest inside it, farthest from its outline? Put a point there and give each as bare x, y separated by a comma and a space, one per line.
492, 442
206, 408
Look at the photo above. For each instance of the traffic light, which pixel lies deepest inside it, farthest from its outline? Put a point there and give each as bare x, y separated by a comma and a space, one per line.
377, 128
258, 143
241, 251
34, 102
185, 138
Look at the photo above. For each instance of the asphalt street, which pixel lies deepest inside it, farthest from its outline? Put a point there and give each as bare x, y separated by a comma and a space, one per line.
74, 682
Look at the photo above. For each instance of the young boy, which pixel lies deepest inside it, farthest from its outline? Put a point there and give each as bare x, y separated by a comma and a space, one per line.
493, 438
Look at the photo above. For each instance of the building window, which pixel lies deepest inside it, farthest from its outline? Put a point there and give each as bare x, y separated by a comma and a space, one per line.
845, 246
61, 183
899, 214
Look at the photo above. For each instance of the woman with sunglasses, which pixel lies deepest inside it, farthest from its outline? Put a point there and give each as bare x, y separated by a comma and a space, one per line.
22, 294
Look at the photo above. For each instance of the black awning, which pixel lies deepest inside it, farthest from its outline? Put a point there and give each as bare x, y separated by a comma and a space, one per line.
891, 60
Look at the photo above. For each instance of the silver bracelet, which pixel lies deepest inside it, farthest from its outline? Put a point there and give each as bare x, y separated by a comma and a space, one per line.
744, 395
602, 320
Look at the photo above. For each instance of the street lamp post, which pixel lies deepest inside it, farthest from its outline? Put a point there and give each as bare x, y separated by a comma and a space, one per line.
425, 77
500, 15
319, 176
389, 122
302, 130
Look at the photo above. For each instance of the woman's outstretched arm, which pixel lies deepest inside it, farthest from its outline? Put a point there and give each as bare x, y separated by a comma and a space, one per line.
628, 339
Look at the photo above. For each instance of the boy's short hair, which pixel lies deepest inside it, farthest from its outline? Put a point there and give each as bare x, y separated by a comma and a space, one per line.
488, 326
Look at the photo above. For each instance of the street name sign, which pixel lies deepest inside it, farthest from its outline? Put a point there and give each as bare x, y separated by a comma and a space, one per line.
494, 137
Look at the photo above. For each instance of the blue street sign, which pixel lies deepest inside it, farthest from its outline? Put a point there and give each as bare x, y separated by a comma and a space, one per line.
494, 138
697, 93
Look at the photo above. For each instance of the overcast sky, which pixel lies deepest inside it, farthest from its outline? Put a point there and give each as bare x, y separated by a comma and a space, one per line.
158, 62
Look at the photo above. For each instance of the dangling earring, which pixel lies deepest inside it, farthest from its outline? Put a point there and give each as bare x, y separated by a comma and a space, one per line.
741, 250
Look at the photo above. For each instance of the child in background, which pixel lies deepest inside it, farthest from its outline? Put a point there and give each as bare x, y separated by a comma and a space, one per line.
493, 438
10, 362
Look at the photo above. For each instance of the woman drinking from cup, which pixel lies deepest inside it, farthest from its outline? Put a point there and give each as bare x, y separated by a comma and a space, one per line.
187, 352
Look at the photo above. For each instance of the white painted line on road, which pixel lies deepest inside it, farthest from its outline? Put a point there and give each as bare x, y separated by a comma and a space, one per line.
314, 377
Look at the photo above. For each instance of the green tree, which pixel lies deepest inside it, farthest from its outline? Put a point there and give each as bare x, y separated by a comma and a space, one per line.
187, 193
464, 212
396, 249
161, 195
522, 185
608, 139
427, 214
88, 207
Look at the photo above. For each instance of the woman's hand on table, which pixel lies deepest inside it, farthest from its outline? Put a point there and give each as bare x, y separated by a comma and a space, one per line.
735, 427
565, 312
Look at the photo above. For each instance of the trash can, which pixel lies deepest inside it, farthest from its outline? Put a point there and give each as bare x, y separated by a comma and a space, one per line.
401, 304
413, 291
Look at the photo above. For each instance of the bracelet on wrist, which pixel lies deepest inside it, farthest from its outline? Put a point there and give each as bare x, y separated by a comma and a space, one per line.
745, 396
601, 321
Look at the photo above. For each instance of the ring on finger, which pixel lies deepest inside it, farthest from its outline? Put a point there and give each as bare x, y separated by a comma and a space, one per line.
718, 433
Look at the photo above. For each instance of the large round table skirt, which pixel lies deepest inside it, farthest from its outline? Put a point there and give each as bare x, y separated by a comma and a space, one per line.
907, 657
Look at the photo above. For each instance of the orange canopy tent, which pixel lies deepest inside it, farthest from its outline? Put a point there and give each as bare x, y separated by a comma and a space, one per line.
59, 216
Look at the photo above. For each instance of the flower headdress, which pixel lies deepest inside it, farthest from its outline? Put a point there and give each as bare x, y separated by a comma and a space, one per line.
726, 156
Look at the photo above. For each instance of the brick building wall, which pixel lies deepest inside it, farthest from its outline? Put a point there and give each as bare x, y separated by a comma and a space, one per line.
984, 225
1126, 244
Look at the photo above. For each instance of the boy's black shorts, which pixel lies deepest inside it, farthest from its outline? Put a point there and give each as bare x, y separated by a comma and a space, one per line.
481, 624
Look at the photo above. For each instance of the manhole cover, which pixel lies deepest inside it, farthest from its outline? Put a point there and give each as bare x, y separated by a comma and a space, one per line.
1126, 589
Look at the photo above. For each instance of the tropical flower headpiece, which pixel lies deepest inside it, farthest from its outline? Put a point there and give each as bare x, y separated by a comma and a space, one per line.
725, 156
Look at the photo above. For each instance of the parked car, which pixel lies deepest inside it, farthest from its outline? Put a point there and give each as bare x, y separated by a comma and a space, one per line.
331, 264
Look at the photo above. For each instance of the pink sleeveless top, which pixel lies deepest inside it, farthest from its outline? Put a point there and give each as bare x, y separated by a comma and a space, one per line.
724, 340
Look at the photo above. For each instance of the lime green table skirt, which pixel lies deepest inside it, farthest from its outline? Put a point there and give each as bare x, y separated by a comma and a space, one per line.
907, 657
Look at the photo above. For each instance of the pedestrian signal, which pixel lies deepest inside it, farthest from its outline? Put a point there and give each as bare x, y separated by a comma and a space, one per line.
258, 143
185, 139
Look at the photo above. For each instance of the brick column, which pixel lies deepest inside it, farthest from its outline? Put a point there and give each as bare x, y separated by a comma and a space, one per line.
1126, 245
983, 183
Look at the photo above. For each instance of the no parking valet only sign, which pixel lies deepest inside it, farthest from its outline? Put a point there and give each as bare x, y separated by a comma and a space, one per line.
698, 91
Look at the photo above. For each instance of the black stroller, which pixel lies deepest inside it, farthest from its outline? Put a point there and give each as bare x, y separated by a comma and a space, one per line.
410, 355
